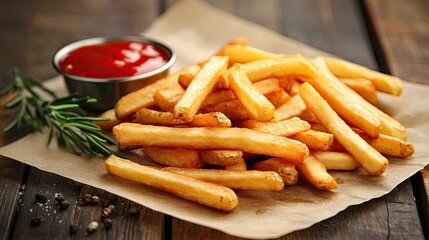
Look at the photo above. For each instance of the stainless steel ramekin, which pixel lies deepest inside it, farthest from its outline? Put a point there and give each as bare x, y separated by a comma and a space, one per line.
108, 90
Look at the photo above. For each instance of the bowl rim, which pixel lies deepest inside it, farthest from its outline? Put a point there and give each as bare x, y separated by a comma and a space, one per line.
96, 40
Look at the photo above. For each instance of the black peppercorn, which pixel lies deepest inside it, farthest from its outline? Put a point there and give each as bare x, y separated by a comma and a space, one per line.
60, 198
64, 205
41, 198
72, 229
134, 212
36, 222
107, 223
105, 202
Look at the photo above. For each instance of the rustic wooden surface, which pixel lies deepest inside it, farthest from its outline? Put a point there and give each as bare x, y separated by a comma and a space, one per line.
392, 37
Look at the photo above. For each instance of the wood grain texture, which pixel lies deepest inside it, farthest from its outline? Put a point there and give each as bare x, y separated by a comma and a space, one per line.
31, 32
401, 29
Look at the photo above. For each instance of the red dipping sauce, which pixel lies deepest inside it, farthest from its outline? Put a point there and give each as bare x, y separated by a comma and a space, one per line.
114, 59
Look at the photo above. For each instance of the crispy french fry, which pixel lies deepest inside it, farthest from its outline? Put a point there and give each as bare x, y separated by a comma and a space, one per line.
295, 65
287, 83
382, 82
174, 157
133, 134
185, 78
217, 97
240, 165
293, 107
165, 102
199, 88
233, 109
336, 160
256, 103
144, 97
286, 170
364, 87
220, 157
244, 54
278, 98
347, 106
205, 193
314, 139
109, 124
284, 128
153, 117
308, 116
389, 145
372, 161
267, 86
249, 180
315, 172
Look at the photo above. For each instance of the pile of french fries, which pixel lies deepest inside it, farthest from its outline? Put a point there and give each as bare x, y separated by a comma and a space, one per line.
254, 120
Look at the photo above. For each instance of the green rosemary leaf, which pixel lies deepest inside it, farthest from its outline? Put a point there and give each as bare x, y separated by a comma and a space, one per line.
14, 102
40, 86
9, 88
64, 117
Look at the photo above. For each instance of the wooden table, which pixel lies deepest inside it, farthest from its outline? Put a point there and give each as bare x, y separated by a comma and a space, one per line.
392, 36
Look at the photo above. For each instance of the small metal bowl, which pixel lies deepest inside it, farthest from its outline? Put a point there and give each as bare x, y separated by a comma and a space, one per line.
108, 90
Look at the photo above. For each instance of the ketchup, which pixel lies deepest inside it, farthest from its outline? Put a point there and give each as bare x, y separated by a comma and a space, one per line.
114, 59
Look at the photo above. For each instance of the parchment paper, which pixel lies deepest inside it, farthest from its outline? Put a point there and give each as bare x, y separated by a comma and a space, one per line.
195, 30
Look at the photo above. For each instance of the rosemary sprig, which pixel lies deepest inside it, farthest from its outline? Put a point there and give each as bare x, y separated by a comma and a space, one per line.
64, 117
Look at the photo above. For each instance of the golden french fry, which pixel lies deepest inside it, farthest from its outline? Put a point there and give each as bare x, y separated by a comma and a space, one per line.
240, 165
382, 82
249, 180
287, 83
153, 117
364, 87
233, 109
186, 77
220, 157
244, 53
109, 124
315, 172
165, 102
174, 157
256, 103
144, 97
278, 98
268, 85
372, 161
336, 160
208, 194
314, 139
133, 134
350, 109
293, 107
295, 65
308, 116
286, 170
284, 128
389, 145
199, 88
217, 97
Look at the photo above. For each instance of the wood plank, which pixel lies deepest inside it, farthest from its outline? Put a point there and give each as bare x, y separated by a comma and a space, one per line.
11, 174
402, 30
334, 26
35, 31
406, 55
130, 220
